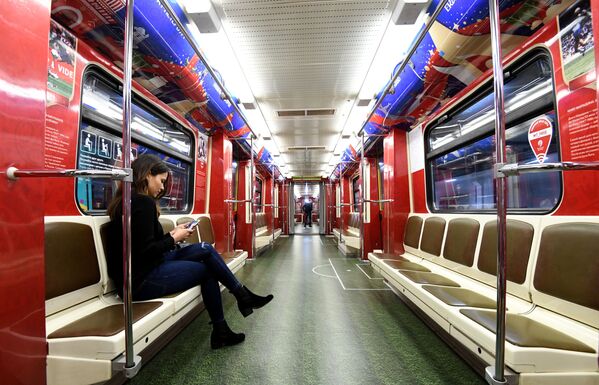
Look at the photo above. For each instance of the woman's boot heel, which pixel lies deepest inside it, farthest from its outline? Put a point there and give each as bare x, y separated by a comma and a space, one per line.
248, 301
222, 336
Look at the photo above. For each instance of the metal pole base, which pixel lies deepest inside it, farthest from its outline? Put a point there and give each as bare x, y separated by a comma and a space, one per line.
510, 377
118, 365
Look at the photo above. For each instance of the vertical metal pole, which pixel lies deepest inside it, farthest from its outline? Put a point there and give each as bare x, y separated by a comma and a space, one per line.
500, 183
322, 210
363, 208
126, 199
229, 208
291, 208
252, 198
272, 200
341, 173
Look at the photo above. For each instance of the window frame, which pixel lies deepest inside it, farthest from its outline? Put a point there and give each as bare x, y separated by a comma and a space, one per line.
258, 181
355, 187
100, 122
474, 136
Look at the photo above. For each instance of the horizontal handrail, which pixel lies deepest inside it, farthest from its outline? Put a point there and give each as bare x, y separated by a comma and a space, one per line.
516, 169
14, 173
378, 201
343, 205
237, 200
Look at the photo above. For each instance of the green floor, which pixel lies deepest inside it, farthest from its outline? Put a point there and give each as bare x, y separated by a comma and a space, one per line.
332, 321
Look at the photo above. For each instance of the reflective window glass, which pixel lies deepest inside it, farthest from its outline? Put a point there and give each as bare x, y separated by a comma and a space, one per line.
100, 147
461, 149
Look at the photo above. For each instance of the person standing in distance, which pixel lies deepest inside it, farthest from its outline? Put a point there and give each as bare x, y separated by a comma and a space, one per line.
307, 209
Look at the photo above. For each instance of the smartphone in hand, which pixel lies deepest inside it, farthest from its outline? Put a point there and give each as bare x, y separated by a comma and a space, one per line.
191, 225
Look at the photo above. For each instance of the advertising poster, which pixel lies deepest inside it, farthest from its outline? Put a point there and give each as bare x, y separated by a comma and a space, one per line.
577, 44
61, 61
202, 148
201, 172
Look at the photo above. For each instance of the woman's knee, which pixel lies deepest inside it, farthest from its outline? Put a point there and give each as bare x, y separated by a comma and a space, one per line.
208, 247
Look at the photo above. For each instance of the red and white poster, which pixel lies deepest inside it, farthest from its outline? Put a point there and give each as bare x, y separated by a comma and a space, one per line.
539, 137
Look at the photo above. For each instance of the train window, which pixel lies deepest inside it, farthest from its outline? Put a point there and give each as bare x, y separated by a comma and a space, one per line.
356, 194
100, 146
461, 146
258, 194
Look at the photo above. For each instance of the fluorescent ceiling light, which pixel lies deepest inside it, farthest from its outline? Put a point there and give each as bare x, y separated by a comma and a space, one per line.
391, 51
220, 56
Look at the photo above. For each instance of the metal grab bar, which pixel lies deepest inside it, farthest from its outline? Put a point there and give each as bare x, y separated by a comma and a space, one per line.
237, 200
496, 375
516, 169
378, 201
14, 173
342, 205
269, 205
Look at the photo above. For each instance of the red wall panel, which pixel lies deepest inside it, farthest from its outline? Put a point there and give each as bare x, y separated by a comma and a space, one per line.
396, 187
23, 76
372, 229
243, 239
221, 188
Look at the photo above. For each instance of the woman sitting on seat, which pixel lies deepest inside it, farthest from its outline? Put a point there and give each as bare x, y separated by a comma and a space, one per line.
159, 267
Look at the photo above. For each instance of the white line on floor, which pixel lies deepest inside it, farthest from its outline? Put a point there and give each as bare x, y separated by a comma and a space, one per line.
341, 282
352, 289
322, 275
366, 274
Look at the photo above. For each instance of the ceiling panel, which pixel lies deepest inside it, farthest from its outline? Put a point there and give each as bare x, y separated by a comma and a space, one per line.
305, 54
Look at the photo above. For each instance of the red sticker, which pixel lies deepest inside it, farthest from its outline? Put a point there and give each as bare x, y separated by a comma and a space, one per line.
539, 137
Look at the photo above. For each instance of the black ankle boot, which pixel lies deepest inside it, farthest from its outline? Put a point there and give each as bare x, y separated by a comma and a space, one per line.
222, 335
248, 301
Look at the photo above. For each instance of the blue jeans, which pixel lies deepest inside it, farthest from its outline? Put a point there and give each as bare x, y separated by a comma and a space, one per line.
182, 269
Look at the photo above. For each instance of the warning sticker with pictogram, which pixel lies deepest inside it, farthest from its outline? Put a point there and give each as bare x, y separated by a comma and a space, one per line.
539, 137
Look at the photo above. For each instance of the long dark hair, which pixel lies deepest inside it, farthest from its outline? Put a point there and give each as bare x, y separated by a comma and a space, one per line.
144, 165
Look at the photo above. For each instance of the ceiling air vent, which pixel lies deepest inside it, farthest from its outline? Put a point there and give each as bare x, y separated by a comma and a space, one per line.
363, 102
315, 112
249, 106
303, 148
288, 113
320, 112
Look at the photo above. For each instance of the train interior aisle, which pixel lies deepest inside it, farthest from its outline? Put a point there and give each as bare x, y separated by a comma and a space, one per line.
333, 321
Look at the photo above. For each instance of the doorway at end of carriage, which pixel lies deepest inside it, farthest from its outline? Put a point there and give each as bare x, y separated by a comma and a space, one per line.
307, 194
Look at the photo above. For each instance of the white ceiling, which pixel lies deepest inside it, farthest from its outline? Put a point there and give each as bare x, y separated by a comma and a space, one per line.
304, 54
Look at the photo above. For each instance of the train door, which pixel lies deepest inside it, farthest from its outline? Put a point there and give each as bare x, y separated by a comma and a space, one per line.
322, 212
291, 208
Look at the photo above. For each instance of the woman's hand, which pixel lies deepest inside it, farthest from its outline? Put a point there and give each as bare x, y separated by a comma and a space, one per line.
181, 233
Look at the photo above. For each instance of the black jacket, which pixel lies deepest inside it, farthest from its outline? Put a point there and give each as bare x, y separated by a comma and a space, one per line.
307, 207
148, 242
